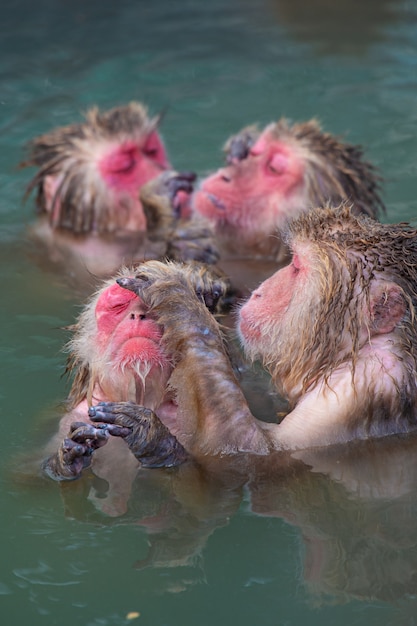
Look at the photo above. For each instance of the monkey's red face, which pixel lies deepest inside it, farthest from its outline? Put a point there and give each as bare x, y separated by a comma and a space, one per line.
127, 167
124, 330
258, 193
112, 174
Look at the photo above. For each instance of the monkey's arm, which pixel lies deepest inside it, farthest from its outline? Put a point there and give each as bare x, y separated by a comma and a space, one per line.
148, 439
166, 198
74, 453
213, 417
193, 240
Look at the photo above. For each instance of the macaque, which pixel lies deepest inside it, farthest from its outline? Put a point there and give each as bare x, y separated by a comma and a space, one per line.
90, 173
93, 216
335, 329
272, 176
115, 354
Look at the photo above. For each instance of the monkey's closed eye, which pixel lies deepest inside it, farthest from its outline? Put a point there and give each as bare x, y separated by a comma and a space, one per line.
119, 307
150, 152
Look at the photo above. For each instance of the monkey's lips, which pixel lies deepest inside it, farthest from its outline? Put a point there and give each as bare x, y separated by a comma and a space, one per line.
141, 349
216, 201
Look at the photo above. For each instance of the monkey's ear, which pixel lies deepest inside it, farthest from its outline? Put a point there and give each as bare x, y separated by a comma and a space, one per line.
387, 307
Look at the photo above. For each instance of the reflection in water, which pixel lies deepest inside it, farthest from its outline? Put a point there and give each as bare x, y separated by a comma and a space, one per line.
217, 66
354, 507
345, 27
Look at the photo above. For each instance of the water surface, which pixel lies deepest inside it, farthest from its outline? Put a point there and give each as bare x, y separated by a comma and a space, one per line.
336, 544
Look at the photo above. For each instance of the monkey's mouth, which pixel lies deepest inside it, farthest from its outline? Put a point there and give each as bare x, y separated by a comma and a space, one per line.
140, 349
216, 202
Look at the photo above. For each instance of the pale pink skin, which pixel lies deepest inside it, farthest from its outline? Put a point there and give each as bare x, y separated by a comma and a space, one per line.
126, 336
321, 417
124, 169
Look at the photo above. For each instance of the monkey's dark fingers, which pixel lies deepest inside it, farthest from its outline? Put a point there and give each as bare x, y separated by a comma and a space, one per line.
191, 177
239, 147
72, 450
201, 250
181, 182
94, 437
126, 415
148, 274
147, 437
132, 284
119, 431
71, 458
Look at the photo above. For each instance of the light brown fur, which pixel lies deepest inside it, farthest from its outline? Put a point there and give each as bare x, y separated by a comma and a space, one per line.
70, 152
343, 349
275, 174
336, 171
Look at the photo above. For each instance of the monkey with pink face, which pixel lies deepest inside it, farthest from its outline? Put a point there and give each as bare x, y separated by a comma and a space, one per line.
272, 176
115, 354
335, 328
275, 174
90, 173
106, 195
91, 216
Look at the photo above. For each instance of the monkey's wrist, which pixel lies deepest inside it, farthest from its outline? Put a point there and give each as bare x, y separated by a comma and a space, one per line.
58, 470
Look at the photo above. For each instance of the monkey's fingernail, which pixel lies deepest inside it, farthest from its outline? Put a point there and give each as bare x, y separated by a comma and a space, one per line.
125, 282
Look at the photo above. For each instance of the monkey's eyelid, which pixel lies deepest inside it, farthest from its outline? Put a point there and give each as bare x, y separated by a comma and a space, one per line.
150, 151
119, 307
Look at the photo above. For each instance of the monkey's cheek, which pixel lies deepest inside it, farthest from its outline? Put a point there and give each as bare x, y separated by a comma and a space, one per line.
247, 329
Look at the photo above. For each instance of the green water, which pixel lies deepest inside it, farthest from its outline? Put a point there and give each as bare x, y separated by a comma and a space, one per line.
335, 545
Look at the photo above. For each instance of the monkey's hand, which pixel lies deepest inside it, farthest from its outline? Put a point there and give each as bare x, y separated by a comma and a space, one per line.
193, 240
75, 452
211, 285
175, 294
158, 283
166, 198
147, 437
238, 147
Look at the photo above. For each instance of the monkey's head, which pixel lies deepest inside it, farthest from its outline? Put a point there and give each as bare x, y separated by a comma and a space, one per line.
90, 173
351, 281
116, 347
282, 172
